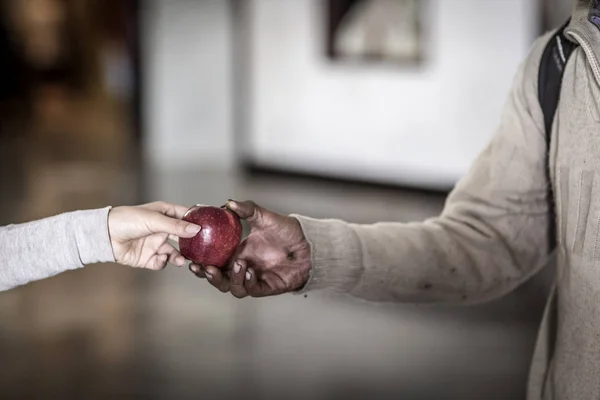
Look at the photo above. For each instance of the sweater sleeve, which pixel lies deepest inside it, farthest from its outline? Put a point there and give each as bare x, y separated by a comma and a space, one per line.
44, 248
493, 233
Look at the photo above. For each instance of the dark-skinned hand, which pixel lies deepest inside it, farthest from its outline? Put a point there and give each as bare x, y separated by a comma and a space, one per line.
274, 258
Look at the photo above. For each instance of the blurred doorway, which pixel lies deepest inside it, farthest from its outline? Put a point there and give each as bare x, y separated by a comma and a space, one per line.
69, 101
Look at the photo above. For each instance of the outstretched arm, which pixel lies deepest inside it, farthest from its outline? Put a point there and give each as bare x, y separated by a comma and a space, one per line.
493, 234
136, 236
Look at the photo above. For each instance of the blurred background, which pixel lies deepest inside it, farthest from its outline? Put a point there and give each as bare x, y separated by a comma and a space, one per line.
364, 110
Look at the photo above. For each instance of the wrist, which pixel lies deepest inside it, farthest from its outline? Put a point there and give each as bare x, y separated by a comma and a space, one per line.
334, 254
109, 230
304, 266
90, 228
301, 257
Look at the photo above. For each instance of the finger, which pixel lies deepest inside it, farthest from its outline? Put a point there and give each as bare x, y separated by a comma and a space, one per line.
197, 270
246, 210
168, 209
174, 257
157, 262
238, 275
161, 261
217, 278
256, 288
158, 223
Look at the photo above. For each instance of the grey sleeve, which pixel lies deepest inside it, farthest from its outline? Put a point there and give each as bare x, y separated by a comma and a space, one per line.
44, 248
492, 235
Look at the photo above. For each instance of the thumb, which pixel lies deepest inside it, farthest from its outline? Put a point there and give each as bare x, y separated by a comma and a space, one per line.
159, 223
247, 210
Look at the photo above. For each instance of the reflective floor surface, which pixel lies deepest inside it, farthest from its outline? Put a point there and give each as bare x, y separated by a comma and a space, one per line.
111, 332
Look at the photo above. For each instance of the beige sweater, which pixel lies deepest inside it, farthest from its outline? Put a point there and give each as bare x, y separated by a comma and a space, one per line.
494, 231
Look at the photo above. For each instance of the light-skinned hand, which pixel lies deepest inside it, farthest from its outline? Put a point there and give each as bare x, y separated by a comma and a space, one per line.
140, 235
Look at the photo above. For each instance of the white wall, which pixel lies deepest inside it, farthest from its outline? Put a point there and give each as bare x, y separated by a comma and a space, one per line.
188, 83
377, 123
421, 126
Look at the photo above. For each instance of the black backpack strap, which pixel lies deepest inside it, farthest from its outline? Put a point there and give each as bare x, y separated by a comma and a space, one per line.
552, 66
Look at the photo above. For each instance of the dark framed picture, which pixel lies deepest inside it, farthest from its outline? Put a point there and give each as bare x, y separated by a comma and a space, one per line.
388, 31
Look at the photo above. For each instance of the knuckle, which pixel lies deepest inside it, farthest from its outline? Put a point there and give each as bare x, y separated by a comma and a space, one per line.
222, 288
238, 278
153, 204
161, 206
236, 286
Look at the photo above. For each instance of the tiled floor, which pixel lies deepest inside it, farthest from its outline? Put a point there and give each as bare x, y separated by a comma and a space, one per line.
110, 332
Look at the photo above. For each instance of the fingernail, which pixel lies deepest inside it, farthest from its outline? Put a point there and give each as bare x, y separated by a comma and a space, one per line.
193, 228
248, 275
231, 204
195, 268
208, 276
237, 267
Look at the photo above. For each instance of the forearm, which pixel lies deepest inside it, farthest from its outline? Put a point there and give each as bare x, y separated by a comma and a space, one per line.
441, 260
44, 248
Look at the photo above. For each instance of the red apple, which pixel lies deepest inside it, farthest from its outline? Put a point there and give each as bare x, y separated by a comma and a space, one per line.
220, 236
